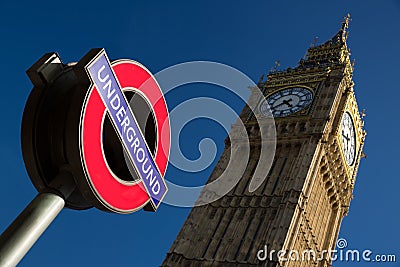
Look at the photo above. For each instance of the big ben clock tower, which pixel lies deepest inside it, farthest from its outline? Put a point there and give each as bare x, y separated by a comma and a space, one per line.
308, 189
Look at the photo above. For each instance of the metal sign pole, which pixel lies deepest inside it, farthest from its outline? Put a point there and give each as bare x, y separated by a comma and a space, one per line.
28, 227
20, 236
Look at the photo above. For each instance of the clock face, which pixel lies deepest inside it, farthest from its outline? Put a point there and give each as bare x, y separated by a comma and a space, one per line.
287, 101
348, 138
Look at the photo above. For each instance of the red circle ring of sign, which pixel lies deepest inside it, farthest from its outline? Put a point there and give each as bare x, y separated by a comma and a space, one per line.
115, 195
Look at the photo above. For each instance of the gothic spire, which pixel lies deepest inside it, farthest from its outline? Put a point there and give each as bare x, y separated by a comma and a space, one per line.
333, 52
345, 23
341, 36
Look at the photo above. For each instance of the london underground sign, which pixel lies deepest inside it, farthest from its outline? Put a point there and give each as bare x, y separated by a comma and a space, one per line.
64, 130
106, 85
78, 128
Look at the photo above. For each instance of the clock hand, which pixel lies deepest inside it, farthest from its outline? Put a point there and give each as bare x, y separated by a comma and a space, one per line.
279, 105
287, 102
345, 136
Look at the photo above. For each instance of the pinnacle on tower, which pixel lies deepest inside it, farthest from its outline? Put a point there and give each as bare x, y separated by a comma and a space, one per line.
333, 52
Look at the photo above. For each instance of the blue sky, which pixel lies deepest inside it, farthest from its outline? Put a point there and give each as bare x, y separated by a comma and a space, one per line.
249, 36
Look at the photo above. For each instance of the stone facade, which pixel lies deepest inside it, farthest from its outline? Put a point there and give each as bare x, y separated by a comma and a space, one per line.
308, 189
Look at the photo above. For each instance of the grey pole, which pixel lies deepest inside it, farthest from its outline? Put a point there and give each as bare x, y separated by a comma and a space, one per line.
20, 236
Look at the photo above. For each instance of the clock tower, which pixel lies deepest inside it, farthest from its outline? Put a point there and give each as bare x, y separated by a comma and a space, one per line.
307, 191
